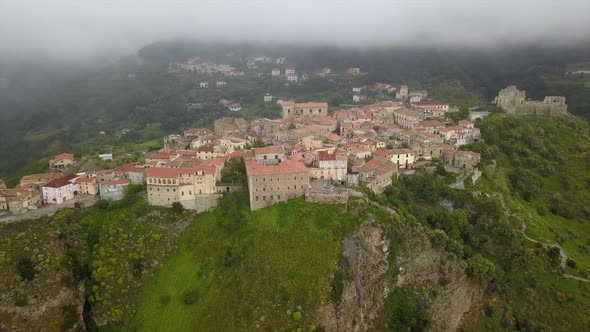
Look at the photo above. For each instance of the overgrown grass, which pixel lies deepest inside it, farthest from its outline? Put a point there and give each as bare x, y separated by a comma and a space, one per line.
250, 268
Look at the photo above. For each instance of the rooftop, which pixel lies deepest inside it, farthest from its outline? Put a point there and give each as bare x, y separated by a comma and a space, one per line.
286, 167
63, 156
273, 149
61, 182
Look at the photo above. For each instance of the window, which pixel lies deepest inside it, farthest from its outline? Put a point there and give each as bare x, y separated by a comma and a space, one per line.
257, 198
271, 197
278, 196
182, 193
190, 192
264, 198
168, 189
295, 187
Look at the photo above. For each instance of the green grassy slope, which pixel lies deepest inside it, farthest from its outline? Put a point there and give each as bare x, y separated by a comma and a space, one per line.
248, 269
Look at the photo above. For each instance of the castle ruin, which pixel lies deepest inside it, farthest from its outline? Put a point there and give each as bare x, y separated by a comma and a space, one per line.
514, 101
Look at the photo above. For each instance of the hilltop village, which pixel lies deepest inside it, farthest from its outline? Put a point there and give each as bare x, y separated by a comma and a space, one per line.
311, 151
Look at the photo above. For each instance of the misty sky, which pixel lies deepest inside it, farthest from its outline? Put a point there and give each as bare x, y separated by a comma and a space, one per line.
81, 28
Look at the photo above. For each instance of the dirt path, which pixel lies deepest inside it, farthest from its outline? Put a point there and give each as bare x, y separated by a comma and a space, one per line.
562, 253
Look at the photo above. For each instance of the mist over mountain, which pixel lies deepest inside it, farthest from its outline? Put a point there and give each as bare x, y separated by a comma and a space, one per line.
82, 30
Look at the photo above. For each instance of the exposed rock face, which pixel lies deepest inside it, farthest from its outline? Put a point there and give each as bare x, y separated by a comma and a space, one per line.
421, 264
367, 287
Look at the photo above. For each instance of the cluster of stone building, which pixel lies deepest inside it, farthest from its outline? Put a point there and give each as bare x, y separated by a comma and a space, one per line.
514, 102
356, 146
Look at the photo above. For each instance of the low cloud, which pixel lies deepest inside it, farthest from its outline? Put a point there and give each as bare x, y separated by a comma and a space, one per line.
77, 29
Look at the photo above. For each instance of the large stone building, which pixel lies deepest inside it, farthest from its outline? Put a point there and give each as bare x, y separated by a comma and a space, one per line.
331, 166
271, 184
292, 109
193, 187
406, 118
514, 101
465, 161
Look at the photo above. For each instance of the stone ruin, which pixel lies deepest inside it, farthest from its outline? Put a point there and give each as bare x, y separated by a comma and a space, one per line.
514, 101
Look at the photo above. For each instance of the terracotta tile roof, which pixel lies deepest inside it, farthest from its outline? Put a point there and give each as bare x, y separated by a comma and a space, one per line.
61, 182
63, 156
161, 172
373, 164
130, 168
159, 155
430, 123
273, 149
448, 151
86, 179
40, 177
311, 104
286, 167
408, 112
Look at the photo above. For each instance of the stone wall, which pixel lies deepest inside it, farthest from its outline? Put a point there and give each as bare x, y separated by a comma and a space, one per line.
335, 196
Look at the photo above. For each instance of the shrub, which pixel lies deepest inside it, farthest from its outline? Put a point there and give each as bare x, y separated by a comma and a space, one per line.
177, 207
337, 287
26, 269
438, 237
480, 268
571, 263
297, 315
190, 296
102, 204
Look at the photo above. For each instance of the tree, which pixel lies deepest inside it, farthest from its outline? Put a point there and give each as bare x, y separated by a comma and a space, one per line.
26, 269
480, 268
177, 207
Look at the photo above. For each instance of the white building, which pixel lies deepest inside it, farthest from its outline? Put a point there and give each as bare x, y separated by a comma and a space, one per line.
232, 143
60, 190
289, 71
267, 98
234, 107
331, 166
275, 72
403, 158
221, 83
358, 98
292, 78
204, 85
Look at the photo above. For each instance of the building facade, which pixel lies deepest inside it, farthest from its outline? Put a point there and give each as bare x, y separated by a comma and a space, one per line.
271, 184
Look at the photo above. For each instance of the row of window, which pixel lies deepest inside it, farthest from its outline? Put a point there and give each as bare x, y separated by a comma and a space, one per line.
277, 179
271, 197
167, 189
160, 181
270, 189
